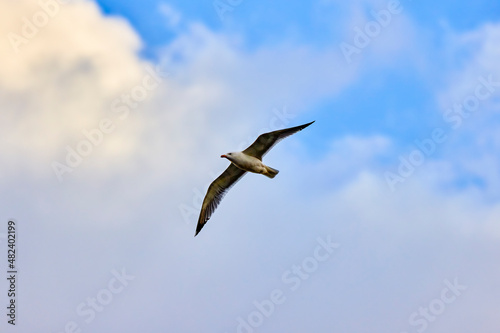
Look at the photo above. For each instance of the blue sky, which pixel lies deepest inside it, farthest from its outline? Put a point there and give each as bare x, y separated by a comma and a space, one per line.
312, 25
383, 218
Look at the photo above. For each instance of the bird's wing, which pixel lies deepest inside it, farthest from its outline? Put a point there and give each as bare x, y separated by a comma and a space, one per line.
267, 140
216, 192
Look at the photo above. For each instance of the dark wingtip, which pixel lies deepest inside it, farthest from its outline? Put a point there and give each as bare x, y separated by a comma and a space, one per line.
305, 125
198, 229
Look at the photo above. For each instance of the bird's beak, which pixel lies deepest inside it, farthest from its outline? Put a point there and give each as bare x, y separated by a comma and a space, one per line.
223, 156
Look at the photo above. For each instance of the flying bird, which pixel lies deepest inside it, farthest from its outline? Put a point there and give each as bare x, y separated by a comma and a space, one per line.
250, 160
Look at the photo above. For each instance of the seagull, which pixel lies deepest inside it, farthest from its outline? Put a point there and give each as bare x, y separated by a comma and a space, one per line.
250, 160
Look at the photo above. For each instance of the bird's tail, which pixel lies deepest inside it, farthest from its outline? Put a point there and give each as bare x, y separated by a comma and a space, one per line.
270, 172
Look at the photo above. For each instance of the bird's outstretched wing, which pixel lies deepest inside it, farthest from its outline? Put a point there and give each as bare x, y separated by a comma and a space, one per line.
267, 140
216, 192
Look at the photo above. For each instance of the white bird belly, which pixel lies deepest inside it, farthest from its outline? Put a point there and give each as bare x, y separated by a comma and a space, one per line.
249, 163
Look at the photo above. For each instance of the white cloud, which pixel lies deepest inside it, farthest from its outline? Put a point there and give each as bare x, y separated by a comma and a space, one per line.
472, 120
63, 81
478, 50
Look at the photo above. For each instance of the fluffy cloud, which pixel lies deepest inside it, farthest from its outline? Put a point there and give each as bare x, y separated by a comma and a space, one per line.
61, 80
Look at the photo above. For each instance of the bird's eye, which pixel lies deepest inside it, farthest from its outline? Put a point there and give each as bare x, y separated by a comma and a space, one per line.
230, 154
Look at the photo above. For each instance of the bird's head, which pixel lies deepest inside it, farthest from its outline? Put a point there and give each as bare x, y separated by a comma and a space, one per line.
229, 156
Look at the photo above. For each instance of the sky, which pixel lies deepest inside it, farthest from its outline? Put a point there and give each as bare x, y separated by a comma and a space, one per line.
384, 216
